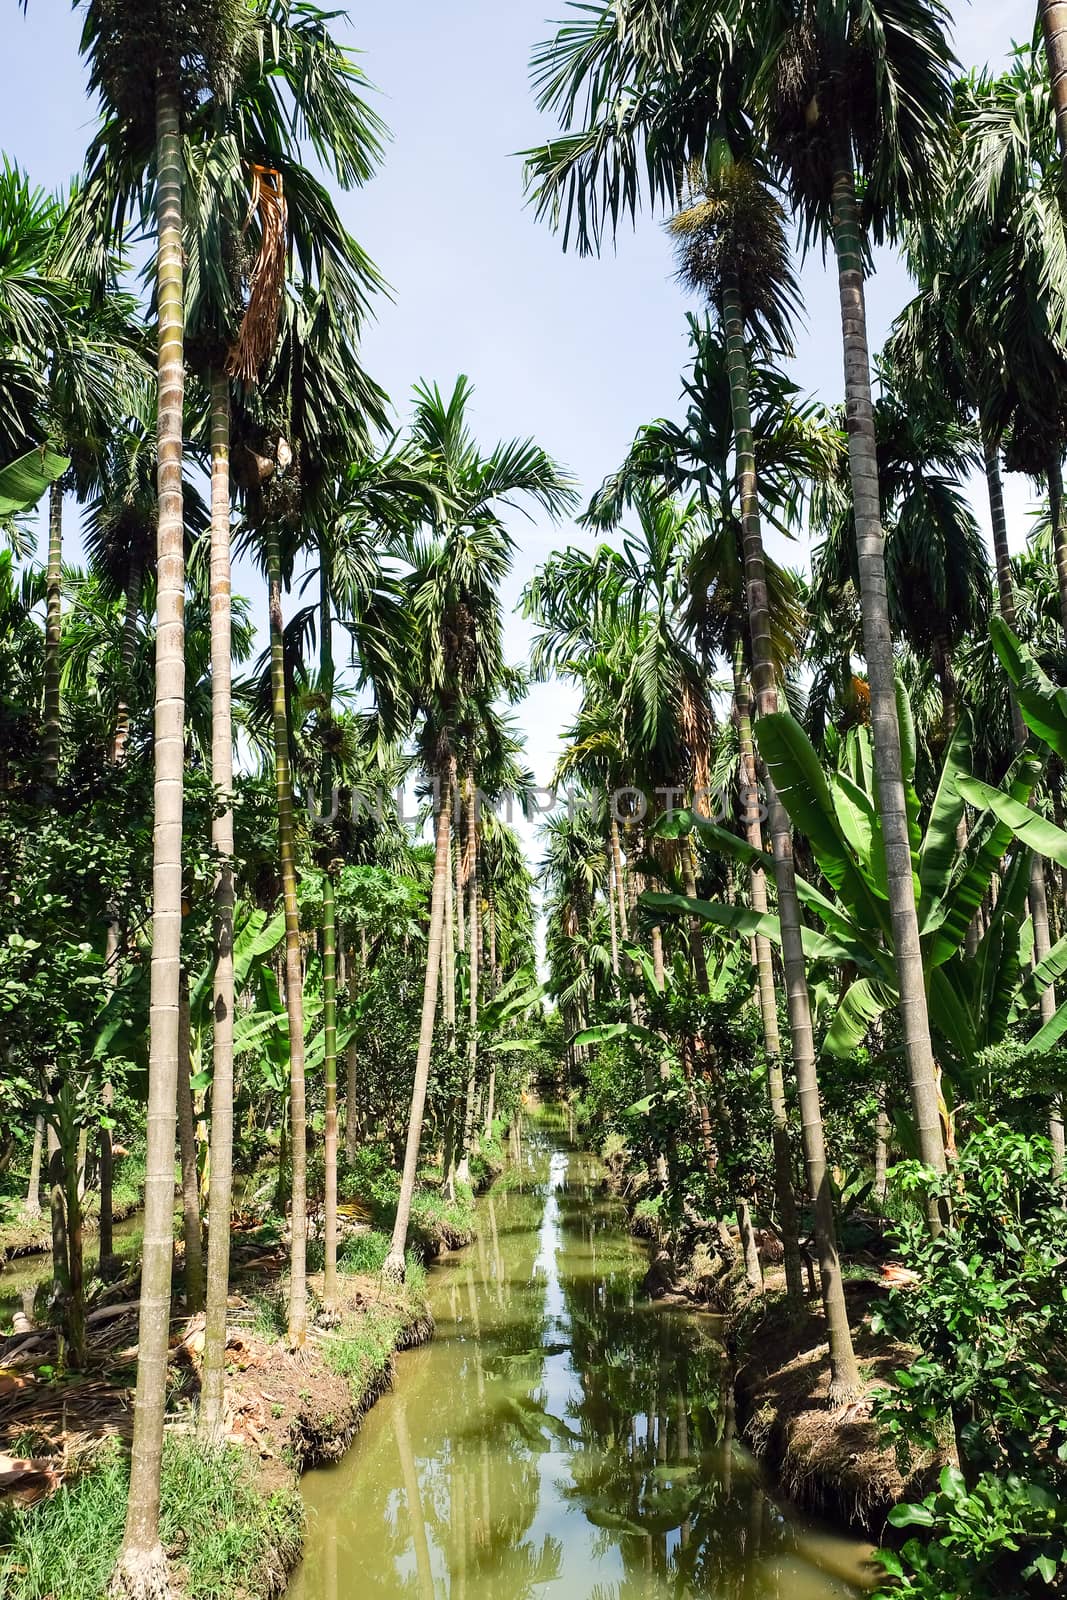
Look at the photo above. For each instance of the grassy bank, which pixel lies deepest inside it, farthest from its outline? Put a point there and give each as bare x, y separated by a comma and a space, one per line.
286, 1411
66, 1435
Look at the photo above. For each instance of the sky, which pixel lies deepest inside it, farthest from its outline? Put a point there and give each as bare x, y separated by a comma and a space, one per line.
576, 353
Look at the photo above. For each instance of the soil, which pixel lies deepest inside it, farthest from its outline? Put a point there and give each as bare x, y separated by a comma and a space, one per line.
829, 1461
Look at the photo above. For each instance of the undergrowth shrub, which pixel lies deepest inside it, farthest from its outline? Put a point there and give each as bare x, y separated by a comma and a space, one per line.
216, 1526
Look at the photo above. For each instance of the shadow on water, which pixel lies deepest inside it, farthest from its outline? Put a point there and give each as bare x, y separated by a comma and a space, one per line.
560, 1437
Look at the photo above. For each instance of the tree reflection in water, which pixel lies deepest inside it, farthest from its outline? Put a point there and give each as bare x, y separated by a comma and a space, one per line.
560, 1439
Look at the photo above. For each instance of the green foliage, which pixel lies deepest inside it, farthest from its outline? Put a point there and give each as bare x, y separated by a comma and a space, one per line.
1004, 1538
219, 1528
988, 1315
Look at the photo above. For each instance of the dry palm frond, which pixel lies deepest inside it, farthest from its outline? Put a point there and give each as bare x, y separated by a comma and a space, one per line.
259, 327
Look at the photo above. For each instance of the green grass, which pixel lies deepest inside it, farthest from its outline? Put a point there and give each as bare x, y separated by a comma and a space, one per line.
216, 1526
362, 1349
366, 1253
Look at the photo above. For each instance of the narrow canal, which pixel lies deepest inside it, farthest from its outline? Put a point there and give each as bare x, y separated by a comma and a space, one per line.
560, 1438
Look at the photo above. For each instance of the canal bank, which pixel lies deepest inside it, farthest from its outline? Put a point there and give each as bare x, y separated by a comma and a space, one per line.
561, 1436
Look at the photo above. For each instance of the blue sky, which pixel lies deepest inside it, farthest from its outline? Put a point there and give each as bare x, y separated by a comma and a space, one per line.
577, 353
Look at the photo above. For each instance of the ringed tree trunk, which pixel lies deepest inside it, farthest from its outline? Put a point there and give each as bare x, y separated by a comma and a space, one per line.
294, 975
32, 1207
329, 966
50, 732
1058, 513
141, 1570
772, 1042
878, 649
113, 943
394, 1262
451, 1151
192, 1232
473, 957
220, 1193
845, 1380
352, 1073
1053, 14
1037, 895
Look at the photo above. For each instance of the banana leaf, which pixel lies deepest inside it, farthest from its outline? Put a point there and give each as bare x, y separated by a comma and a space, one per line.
25, 481
1042, 703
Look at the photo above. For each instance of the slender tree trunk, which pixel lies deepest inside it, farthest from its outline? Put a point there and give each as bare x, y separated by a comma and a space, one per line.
613, 918
1002, 557
749, 1248
113, 942
57, 1203
352, 1078
394, 1264
1042, 945
452, 1152
134, 588
75, 1315
1053, 14
882, 1130
329, 966
845, 1381
474, 957
620, 880
1058, 513
294, 972
878, 649
50, 732
141, 1572
220, 1193
192, 1230
32, 1207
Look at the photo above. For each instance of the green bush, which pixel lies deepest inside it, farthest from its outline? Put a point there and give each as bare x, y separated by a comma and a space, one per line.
215, 1525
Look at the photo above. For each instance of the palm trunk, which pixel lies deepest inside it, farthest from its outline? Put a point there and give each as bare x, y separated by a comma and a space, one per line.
882, 1130
142, 1565
394, 1264
220, 1193
1058, 514
57, 1205
329, 967
878, 649
1042, 945
473, 958
294, 974
32, 1207
452, 1152
50, 732
113, 942
845, 1380
1053, 14
751, 821
121, 733
192, 1231
352, 1120
620, 880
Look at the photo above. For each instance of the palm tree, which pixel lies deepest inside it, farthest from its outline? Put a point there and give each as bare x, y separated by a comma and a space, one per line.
658, 99
457, 659
837, 97
235, 325
147, 63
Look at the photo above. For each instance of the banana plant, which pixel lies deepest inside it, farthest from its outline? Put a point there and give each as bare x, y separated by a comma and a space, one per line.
973, 1000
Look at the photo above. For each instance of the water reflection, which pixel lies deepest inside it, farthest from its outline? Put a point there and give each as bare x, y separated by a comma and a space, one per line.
559, 1439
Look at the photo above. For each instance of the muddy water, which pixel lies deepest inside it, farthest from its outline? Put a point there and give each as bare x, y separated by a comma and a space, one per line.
21, 1277
559, 1439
